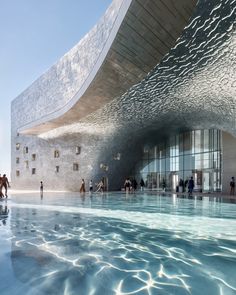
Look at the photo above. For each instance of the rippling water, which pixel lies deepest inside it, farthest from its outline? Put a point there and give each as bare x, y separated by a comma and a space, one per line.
117, 244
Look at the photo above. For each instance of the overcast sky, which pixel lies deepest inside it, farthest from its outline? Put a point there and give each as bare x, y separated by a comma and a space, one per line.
34, 35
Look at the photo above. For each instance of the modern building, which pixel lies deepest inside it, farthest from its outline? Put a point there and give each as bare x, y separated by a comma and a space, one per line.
148, 93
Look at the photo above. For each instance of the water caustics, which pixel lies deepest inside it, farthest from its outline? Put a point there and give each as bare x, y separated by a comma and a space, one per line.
113, 244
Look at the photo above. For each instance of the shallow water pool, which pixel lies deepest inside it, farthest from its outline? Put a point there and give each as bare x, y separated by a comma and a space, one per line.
114, 243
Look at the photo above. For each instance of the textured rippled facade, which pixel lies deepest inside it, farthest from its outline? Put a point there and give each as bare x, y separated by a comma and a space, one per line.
147, 72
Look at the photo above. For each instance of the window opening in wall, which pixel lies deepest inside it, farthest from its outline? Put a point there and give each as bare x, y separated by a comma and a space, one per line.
104, 167
75, 167
57, 169
26, 150
33, 171
77, 150
56, 154
26, 164
17, 160
17, 173
117, 157
17, 146
33, 157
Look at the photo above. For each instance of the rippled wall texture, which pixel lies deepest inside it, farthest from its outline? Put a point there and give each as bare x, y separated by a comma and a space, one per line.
193, 87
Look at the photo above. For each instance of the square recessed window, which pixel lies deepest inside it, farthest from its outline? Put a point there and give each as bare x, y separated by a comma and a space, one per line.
56, 154
77, 150
17, 160
33, 171
57, 168
117, 157
17, 146
33, 157
75, 167
17, 173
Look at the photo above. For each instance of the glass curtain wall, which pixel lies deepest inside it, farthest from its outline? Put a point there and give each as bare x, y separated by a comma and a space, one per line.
170, 164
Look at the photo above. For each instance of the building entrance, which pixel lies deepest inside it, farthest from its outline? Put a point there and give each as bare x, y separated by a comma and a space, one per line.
194, 154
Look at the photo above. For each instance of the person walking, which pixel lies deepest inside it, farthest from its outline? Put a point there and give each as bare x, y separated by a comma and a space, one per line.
1, 194
232, 186
5, 184
100, 187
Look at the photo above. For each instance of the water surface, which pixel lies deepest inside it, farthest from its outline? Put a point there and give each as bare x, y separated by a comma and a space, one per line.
65, 243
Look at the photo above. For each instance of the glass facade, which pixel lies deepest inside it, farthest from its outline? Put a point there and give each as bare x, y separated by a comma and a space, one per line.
196, 153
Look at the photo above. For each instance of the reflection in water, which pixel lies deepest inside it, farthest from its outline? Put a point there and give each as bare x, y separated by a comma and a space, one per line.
4, 211
132, 246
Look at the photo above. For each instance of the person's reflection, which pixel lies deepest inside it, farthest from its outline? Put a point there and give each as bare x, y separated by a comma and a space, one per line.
4, 211
82, 196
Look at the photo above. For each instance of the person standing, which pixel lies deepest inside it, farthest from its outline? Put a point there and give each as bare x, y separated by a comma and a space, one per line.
82, 188
181, 185
134, 184
190, 186
127, 185
185, 185
232, 186
41, 187
141, 184
91, 186
163, 185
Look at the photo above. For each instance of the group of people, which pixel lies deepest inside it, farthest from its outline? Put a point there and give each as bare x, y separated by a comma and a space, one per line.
99, 186
130, 185
4, 183
187, 185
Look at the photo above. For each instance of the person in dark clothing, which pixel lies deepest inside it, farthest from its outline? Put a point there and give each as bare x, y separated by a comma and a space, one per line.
41, 187
190, 186
163, 185
181, 185
4, 184
232, 186
185, 185
134, 184
142, 184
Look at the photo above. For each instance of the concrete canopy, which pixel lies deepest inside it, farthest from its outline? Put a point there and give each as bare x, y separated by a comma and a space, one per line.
131, 38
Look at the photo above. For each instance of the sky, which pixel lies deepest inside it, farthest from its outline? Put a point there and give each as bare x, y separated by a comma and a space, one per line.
34, 34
